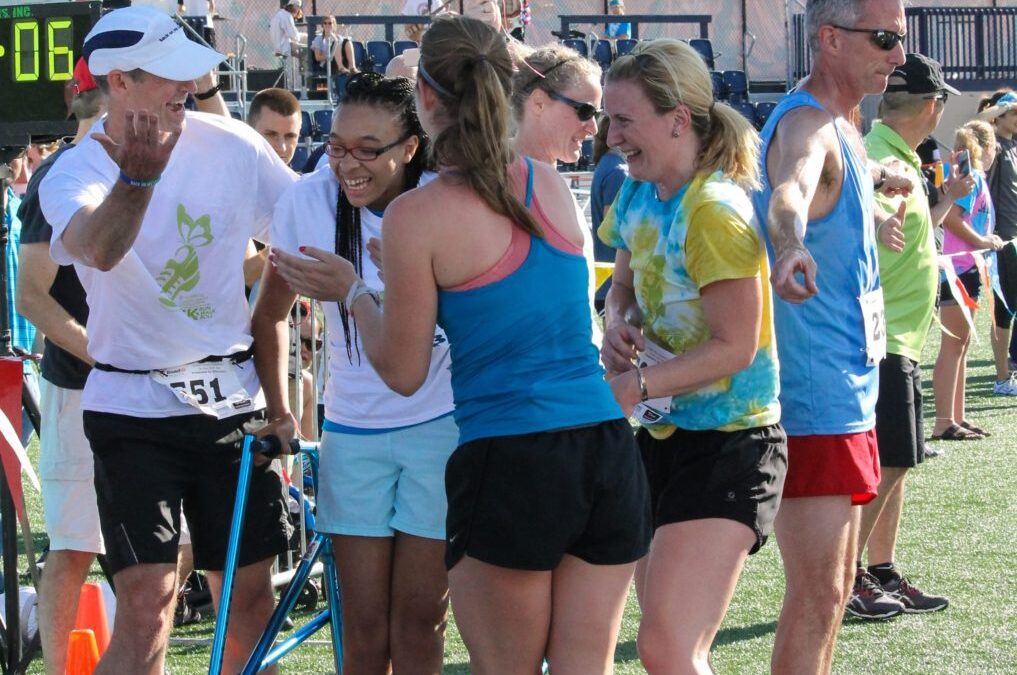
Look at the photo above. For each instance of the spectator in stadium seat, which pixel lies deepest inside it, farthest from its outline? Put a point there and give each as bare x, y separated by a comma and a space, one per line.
329, 41
540, 560
691, 264
816, 205
611, 170
617, 31
160, 297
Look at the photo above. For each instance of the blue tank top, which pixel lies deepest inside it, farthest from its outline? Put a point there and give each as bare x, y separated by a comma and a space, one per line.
522, 356
825, 385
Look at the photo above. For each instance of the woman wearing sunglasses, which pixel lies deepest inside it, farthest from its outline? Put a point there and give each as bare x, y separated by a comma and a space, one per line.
555, 100
691, 263
381, 491
548, 509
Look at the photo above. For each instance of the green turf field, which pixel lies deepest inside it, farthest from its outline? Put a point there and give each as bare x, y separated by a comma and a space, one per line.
957, 539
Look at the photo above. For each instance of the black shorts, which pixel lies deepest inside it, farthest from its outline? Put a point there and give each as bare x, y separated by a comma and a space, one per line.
972, 282
735, 475
525, 501
145, 468
899, 428
1006, 258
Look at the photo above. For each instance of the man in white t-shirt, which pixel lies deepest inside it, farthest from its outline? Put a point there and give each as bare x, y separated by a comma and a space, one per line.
155, 209
283, 29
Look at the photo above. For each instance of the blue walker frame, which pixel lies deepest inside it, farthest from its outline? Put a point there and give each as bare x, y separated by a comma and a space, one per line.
267, 652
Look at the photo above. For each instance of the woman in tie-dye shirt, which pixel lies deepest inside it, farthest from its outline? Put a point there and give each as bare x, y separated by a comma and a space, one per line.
691, 264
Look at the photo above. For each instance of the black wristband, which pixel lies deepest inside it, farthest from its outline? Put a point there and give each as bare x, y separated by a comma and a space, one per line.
205, 95
882, 178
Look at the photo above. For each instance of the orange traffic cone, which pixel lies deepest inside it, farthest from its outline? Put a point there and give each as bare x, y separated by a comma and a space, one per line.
82, 653
92, 615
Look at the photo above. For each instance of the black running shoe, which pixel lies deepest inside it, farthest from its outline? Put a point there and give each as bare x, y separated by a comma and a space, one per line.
915, 601
868, 601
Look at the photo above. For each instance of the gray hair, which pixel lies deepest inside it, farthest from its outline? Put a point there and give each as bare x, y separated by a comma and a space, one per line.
819, 13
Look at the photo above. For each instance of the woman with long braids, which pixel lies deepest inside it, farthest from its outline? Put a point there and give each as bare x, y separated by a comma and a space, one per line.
548, 508
691, 264
381, 491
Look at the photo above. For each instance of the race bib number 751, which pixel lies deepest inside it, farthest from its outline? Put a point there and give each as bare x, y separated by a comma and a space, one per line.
213, 388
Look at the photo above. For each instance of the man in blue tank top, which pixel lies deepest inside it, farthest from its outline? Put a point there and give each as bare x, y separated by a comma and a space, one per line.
817, 202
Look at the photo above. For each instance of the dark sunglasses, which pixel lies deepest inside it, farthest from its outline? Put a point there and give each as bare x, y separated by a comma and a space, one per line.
941, 96
318, 342
584, 111
884, 39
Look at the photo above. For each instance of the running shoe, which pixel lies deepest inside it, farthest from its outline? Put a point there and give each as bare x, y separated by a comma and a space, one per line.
1005, 388
933, 452
914, 600
869, 601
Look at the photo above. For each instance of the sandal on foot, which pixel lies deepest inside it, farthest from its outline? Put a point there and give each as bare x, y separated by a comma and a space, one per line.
972, 428
955, 432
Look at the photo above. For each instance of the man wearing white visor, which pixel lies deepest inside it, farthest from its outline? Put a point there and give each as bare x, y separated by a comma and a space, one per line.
155, 209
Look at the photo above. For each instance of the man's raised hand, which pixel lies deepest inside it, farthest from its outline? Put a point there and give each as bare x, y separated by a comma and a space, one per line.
145, 150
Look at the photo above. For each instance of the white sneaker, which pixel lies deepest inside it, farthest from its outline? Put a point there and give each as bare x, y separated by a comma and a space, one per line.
1005, 388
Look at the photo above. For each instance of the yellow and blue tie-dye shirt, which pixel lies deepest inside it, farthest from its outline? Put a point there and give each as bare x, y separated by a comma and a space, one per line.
706, 233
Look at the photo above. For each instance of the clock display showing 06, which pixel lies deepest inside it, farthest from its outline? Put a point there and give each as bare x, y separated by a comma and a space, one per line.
39, 45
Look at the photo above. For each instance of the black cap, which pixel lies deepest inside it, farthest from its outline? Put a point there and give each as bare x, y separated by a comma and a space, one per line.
919, 75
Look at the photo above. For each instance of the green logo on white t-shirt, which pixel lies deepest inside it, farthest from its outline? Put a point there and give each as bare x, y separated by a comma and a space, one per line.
181, 273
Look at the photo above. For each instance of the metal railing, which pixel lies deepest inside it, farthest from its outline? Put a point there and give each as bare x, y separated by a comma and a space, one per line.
700, 20
977, 46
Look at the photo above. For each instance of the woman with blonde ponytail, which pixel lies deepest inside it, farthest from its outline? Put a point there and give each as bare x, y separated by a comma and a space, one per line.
548, 506
702, 361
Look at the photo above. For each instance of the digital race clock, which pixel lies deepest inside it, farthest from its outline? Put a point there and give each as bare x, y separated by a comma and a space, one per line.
39, 45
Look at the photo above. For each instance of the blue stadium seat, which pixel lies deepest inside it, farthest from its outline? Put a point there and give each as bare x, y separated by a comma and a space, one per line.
622, 47
585, 162
737, 85
359, 54
323, 122
306, 125
299, 157
235, 114
763, 111
603, 53
380, 52
705, 49
401, 46
578, 45
719, 86
747, 110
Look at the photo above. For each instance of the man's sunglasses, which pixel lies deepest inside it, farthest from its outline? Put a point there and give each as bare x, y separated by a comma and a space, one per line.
307, 342
584, 111
884, 39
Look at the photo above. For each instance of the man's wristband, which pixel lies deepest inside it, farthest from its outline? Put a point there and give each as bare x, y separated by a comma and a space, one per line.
205, 95
134, 182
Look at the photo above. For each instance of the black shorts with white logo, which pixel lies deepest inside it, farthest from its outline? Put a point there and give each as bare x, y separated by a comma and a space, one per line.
525, 501
734, 475
147, 469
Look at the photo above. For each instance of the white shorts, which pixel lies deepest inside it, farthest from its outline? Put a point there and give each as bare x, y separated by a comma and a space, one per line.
371, 485
65, 472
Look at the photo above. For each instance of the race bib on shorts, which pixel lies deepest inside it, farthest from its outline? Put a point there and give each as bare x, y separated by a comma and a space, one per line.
874, 320
211, 387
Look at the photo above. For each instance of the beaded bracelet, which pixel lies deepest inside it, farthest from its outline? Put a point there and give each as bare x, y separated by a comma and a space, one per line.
134, 182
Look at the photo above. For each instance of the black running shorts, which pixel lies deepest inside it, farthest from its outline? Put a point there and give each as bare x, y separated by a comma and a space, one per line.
525, 501
146, 468
734, 475
899, 427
